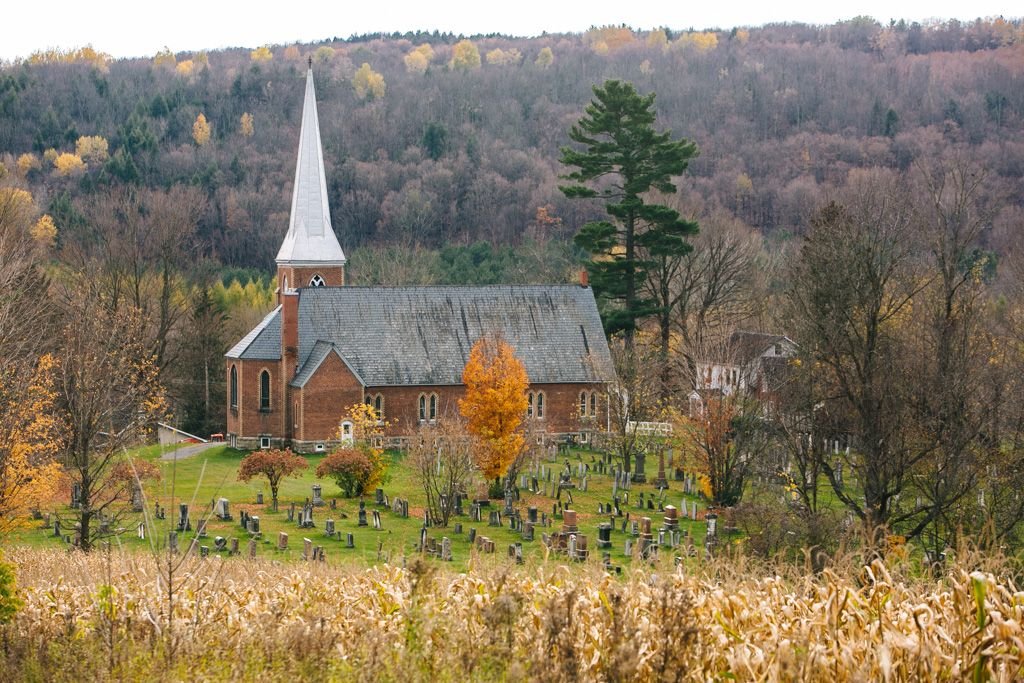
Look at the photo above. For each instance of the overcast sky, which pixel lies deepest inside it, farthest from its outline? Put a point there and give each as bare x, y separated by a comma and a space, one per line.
129, 28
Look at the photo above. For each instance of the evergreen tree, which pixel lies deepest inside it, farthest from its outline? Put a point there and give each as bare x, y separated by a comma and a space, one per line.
623, 159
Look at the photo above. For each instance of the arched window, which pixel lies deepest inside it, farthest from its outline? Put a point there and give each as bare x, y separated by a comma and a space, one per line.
378, 407
423, 408
265, 391
317, 281
234, 387
540, 405
583, 404
593, 403
433, 407
529, 404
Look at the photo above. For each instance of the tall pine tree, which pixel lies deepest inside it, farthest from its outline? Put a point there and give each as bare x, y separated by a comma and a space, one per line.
624, 158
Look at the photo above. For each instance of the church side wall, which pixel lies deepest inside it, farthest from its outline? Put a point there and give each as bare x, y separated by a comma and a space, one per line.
248, 423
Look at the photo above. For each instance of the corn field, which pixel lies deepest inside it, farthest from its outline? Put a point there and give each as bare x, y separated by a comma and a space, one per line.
128, 617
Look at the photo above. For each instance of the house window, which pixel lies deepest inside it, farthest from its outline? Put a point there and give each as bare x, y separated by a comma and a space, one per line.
264, 442
317, 281
265, 391
540, 405
529, 404
234, 387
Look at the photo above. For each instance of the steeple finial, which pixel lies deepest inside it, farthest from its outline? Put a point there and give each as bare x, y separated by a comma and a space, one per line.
310, 239
310, 58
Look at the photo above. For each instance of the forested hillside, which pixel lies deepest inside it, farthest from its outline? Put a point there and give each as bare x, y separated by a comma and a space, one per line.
167, 179
447, 146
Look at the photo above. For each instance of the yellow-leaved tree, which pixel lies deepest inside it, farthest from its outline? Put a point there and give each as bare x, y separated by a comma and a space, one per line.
246, 125
545, 58
201, 130
465, 55
30, 440
93, 149
494, 404
261, 54
185, 68
28, 162
418, 59
368, 82
164, 59
68, 164
44, 231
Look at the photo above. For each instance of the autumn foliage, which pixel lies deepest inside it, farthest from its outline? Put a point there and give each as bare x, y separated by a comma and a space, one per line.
495, 404
350, 468
274, 464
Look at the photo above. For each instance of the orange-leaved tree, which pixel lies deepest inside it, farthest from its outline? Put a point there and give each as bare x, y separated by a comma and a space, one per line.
30, 440
367, 430
494, 404
274, 464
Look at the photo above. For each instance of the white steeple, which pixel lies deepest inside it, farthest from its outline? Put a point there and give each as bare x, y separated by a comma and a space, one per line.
310, 240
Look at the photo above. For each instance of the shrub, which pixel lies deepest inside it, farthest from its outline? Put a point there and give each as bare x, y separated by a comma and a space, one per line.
350, 468
9, 601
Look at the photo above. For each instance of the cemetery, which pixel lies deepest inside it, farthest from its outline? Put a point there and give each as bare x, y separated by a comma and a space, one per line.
570, 505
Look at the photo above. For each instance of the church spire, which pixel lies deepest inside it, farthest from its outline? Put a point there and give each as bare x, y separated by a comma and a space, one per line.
310, 242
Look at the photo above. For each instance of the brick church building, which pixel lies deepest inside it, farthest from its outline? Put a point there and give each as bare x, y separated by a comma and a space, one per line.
402, 349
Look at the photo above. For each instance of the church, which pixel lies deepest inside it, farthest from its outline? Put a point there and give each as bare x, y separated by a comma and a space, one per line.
326, 345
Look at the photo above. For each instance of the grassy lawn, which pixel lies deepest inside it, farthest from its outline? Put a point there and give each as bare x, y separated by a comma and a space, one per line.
200, 479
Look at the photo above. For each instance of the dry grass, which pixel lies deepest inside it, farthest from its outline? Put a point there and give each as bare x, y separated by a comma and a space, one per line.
239, 620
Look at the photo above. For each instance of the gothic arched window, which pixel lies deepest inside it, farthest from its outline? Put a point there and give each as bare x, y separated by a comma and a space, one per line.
265, 390
317, 281
234, 387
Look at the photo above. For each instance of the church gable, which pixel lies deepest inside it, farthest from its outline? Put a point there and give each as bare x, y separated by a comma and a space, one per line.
263, 342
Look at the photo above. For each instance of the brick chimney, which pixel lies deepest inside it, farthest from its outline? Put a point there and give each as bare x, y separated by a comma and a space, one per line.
584, 278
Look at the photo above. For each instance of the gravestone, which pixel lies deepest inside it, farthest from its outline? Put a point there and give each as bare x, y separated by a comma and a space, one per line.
282, 540
458, 527
329, 527
307, 549
527, 530
201, 528
137, 498
233, 546
604, 535
712, 520
306, 520
56, 528
291, 513
172, 541
140, 531
252, 548
531, 514
243, 519
204, 551
446, 549
474, 512
318, 501
378, 497
376, 520
494, 518
220, 543
458, 505
254, 524
569, 522
334, 503
422, 547
362, 513
472, 535
222, 510
517, 552
350, 541
76, 496
259, 497
183, 522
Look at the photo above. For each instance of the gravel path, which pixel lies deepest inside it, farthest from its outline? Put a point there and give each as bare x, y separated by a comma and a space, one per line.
189, 451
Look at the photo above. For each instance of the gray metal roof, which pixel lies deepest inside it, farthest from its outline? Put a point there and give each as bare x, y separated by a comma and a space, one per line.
263, 342
310, 239
395, 336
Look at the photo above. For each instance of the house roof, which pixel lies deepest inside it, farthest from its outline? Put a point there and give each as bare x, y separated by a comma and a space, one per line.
400, 336
746, 347
310, 239
263, 342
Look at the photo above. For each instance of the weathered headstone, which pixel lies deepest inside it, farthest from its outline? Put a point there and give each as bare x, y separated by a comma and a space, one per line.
201, 528
220, 543
527, 530
472, 534
183, 522
378, 497
56, 528
350, 541
204, 551
329, 527
362, 513
376, 520
259, 497
474, 512
140, 531
172, 541
252, 548
282, 540
446, 549
76, 496
254, 524
458, 527
531, 514
222, 511
604, 535
137, 498
233, 546
291, 512
494, 518
317, 499
307, 549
